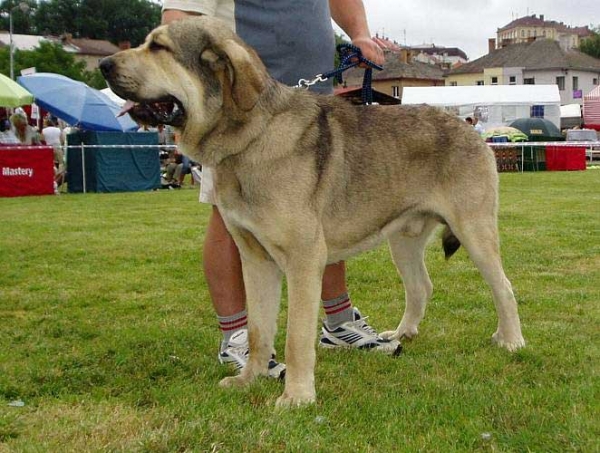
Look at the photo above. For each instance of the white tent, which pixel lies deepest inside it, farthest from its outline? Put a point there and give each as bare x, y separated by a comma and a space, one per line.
570, 111
570, 116
495, 105
113, 96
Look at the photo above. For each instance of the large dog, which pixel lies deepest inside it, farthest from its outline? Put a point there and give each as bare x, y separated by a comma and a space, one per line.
303, 180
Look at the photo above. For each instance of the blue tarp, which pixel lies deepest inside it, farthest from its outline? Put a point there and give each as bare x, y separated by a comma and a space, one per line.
113, 169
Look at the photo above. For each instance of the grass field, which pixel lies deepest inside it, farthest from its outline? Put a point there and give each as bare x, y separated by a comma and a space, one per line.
108, 339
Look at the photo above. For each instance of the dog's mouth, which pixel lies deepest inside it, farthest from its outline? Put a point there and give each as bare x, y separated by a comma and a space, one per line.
168, 111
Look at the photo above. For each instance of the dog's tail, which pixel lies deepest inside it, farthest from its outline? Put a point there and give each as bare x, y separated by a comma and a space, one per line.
450, 242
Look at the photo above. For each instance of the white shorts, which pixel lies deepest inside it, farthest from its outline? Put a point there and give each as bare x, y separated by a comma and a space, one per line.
207, 190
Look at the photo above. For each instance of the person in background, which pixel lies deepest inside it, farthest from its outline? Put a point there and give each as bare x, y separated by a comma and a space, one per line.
53, 137
162, 134
51, 133
146, 128
7, 136
183, 169
478, 127
26, 134
295, 40
173, 169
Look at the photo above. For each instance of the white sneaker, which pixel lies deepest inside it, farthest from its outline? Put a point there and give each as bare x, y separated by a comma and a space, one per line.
236, 351
357, 334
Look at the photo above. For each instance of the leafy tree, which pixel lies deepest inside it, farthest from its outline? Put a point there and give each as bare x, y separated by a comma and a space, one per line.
22, 15
95, 79
339, 39
48, 57
113, 20
56, 17
119, 21
591, 44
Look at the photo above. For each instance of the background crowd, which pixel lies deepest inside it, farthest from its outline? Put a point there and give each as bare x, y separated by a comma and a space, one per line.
18, 128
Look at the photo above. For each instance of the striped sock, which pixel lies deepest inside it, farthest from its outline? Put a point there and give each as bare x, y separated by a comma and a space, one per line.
338, 311
231, 324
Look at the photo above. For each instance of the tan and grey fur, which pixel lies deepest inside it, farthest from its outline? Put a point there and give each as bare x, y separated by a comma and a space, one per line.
303, 180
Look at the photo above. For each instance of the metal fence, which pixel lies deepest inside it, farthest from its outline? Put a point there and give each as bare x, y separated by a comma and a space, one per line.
527, 152
517, 157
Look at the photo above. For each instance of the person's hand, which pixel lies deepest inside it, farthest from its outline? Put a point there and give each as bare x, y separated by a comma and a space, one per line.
370, 50
171, 15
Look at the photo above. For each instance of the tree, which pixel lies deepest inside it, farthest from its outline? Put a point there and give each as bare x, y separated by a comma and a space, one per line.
339, 39
591, 44
113, 20
56, 17
22, 20
48, 57
119, 21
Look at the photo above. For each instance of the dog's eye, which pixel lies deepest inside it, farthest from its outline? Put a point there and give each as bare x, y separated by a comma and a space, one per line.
155, 47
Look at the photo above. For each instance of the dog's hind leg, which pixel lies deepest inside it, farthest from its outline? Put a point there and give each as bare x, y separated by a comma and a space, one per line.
408, 252
262, 281
480, 238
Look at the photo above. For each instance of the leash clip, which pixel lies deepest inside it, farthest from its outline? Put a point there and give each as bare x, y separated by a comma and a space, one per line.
350, 56
306, 83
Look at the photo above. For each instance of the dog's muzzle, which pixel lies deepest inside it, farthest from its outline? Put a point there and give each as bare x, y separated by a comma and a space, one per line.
106, 66
167, 110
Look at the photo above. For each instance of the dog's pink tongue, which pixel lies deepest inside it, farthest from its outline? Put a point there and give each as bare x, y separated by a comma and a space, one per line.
126, 108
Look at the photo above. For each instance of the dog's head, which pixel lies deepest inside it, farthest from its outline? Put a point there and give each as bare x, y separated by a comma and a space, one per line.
185, 74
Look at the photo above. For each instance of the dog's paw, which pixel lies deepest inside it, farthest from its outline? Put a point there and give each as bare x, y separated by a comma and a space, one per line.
286, 400
511, 344
402, 332
234, 381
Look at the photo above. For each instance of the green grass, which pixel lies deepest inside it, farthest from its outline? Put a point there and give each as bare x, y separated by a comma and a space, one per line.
108, 337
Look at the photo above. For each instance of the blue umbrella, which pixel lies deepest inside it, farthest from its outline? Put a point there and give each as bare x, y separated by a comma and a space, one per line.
76, 103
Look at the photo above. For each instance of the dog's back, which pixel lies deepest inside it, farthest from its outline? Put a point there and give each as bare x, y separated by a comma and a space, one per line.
380, 168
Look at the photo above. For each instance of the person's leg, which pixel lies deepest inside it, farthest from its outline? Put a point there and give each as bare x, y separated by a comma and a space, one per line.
184, 170
223, 272
177, 174
223, 268
60, 179
334, 295
334, 281
170, 172
344, 326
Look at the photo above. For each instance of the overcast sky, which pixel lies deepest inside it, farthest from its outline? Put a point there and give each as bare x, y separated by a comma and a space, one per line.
467, 24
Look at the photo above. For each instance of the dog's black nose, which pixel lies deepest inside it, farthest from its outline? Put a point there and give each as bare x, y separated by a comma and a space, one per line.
106, 66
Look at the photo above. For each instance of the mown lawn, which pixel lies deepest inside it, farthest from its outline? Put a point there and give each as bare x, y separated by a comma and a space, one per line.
109, 341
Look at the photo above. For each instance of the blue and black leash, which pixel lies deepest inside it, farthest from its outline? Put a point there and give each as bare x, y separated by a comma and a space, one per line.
350, 56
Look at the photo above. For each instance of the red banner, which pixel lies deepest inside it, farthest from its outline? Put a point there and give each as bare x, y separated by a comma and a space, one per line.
560, 158
26, 171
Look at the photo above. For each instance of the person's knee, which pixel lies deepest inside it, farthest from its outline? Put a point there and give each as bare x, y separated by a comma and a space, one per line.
178, 171
216, 230
170, 170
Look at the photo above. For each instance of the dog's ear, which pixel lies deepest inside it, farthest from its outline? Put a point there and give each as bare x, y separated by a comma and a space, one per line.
248, 76
213, 61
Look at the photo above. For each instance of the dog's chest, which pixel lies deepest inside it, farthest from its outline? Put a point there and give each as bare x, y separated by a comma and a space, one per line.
236, 198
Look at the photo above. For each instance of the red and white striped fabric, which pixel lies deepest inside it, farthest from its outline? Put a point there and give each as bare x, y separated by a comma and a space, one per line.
591, 109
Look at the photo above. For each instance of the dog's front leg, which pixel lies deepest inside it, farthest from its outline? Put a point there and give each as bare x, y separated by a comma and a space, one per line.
304, 277
262, 281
